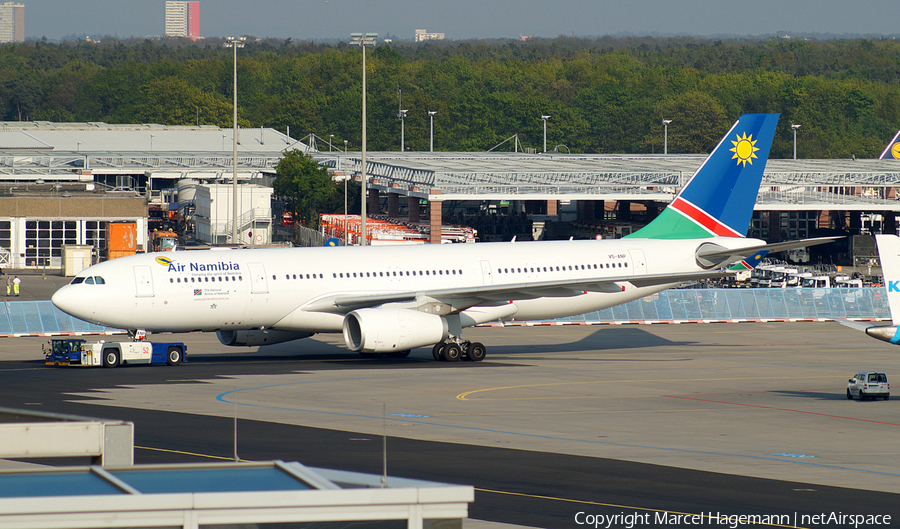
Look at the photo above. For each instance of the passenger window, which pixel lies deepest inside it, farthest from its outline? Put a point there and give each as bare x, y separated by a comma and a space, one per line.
295, 276
178, 280
171, 280
220, 278
192, 280
273, 277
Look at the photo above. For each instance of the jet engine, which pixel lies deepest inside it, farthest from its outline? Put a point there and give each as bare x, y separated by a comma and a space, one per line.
391, 330
257, 337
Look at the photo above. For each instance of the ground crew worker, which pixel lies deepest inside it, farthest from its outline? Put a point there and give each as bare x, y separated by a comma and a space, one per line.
9, 283
16, 282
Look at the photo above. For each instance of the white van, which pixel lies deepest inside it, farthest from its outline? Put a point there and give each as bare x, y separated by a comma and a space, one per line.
869, 384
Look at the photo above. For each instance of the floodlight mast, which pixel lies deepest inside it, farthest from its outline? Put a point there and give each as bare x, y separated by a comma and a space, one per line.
545, 117
794, 128
431, 114
402, 116
665, 124
235, 43
363, 40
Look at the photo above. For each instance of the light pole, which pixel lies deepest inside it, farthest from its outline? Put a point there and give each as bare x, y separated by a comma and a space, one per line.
794, 128
330, 141
665, 124
235, 43
545, 118
402, 116
363, 40
431, 114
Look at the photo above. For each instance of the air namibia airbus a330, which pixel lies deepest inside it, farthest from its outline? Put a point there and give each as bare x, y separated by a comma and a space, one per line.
390, 299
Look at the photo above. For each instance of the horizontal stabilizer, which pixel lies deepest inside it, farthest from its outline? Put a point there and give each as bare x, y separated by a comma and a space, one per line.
714, 255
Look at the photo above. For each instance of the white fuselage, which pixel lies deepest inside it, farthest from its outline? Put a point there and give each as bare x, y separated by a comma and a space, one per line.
279, 288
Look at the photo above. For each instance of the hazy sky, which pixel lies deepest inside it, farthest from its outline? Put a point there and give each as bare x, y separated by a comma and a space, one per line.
463, 19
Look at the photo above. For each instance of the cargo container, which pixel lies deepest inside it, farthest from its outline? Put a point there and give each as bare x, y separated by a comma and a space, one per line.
122, 239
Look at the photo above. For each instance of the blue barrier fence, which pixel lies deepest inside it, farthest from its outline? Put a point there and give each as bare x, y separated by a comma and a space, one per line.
747, 304
42, 317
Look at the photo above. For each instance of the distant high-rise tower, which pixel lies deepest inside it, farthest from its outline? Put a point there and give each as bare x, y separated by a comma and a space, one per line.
12, 22
183, 19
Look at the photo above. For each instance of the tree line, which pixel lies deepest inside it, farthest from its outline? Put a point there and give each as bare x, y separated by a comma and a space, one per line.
604, 95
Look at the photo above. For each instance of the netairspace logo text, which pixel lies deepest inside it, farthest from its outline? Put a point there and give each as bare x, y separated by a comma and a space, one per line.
732, 521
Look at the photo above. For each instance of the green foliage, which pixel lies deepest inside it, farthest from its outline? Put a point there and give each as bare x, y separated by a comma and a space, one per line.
604, 95
308, 187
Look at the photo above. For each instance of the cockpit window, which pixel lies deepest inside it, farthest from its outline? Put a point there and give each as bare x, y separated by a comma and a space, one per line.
99, 280
89, 281
77, 280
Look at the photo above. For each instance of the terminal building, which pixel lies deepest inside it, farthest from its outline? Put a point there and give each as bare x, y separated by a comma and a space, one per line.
73, 184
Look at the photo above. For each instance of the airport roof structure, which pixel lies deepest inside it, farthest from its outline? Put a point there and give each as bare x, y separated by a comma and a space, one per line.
792, 184
200, 495
54, 150
77, 151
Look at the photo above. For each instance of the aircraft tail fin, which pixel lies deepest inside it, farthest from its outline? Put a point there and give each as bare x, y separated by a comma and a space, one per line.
889, 255
892, 151
718, 200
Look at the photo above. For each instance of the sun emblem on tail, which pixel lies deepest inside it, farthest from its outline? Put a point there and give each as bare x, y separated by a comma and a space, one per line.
744, 149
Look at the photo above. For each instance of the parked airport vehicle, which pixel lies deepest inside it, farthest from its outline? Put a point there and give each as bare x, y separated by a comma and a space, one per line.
389, 300
869, 384
77, 352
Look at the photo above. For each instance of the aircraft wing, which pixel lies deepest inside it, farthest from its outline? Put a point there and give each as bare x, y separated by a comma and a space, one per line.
856, 325
463, 298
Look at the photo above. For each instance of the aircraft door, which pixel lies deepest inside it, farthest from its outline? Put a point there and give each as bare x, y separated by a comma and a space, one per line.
638, 262
258, 284
143, 279
486, 273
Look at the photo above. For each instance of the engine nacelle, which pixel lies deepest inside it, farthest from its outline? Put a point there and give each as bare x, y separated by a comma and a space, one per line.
390, 330
257, 337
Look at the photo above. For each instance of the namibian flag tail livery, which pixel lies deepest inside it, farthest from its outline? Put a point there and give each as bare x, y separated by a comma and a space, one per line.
718, 200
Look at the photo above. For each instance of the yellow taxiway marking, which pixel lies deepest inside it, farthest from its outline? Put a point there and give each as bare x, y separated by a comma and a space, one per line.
465, 395
617, 506
181, 452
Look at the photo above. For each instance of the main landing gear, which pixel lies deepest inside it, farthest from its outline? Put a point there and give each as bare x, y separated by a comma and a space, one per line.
452, 351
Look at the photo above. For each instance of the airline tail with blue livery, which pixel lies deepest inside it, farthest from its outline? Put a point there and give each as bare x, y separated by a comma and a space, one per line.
388, 300
718, 200
892, 151
889, 255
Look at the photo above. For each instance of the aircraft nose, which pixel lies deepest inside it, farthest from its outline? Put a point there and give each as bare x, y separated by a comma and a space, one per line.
66, 300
